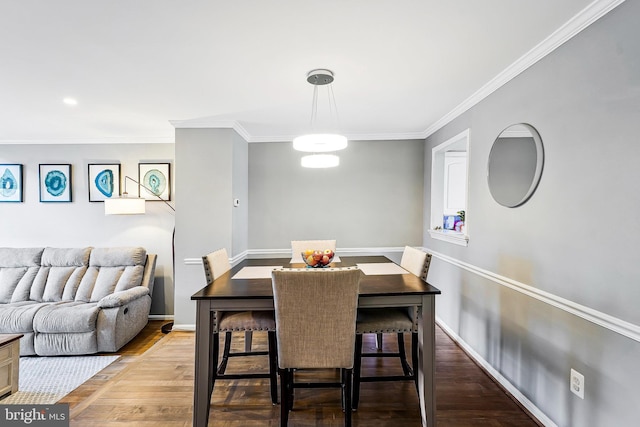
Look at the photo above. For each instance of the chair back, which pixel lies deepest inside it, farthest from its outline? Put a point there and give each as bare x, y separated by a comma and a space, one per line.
416, 261
316, 316
215, 264
298, 246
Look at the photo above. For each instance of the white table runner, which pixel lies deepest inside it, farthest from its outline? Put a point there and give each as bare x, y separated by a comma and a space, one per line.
256, 272
381, 268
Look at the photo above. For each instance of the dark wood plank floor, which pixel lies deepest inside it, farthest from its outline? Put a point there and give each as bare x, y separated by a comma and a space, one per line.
152, 385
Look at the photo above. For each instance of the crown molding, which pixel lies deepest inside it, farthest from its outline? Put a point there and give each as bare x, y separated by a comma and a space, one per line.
105, 140
575, 25
579, 22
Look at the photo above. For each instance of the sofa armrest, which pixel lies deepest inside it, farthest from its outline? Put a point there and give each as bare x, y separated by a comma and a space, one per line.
118, 299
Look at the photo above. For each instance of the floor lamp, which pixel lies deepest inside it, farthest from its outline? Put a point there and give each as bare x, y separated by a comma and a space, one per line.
126, 205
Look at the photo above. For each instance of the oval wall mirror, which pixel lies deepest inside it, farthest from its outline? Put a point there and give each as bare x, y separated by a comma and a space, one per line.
515, 165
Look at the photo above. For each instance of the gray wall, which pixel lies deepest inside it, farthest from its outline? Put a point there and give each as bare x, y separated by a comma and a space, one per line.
83, 223
553, 284
204, 220
373, 199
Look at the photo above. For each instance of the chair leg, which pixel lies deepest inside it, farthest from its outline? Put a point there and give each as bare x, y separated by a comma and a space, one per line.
357, 363
214, 348
284, 392
225, 353
346, 380
379, 341
290, 379
273, 366
414, 358
403, 355
248, 338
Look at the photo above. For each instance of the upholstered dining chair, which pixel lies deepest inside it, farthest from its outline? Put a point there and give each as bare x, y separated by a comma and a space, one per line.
398, 320
316, 327
216, 264
298, 246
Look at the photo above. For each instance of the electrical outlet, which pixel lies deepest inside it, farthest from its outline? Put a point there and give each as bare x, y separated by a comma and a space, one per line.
576, 383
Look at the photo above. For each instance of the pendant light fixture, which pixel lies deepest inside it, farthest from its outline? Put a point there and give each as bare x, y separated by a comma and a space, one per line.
321, 142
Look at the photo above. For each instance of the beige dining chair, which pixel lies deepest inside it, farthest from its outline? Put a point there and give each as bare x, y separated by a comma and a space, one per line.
215, 265
298, 246
398, 320
316, 328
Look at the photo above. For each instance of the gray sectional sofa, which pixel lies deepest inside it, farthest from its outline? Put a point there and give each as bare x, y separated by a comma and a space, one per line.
74, 301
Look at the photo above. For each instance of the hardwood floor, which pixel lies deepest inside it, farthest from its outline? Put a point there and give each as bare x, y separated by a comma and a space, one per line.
152, 385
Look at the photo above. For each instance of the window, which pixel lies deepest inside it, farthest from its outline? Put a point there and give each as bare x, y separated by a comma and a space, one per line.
449, 184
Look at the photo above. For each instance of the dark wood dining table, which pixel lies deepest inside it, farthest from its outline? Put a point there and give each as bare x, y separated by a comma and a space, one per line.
376, 290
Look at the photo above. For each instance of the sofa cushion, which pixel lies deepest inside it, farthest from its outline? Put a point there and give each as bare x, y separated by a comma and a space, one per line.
59, 277
17, 318
64, 257
18, 267
66, 317
116, 257
20, 257
111, 270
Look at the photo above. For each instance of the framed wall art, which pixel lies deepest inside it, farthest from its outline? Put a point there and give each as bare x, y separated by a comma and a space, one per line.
55, 183
104, 181
11, 183
155, 180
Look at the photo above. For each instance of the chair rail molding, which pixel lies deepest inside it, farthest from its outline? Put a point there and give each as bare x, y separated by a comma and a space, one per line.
607, 321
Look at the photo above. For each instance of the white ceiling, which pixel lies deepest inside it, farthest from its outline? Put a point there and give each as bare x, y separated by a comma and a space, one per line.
135, 67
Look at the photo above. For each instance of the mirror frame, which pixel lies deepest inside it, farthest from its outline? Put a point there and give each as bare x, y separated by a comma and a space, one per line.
538, 170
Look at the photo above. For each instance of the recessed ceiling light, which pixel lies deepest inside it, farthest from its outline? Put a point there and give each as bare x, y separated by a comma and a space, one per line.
70, 101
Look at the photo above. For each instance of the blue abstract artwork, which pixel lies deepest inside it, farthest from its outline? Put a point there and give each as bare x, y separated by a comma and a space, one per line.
8, 184
104, 181
11, 183
55, 183
155, 181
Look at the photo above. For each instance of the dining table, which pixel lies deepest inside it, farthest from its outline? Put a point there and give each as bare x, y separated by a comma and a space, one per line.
247, 286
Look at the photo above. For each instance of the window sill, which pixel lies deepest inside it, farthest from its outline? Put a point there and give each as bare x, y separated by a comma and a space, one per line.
454, 237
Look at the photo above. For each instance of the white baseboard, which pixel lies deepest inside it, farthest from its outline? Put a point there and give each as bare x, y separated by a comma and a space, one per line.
167, 317
533, 409
184, 328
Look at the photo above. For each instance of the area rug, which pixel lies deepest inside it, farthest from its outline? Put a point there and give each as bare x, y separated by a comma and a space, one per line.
45, 380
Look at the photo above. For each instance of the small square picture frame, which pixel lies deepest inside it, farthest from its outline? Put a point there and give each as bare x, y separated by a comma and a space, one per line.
104, 181
155, 181
11, 189
55, 182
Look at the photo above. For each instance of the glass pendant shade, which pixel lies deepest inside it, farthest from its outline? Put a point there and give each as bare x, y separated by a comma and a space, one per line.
320, 161
320, 142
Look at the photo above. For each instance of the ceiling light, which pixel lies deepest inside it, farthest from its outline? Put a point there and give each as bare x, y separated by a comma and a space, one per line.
70, 101
321, 142
320, 161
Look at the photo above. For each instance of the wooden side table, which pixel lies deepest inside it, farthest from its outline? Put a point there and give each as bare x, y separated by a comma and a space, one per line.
9, 363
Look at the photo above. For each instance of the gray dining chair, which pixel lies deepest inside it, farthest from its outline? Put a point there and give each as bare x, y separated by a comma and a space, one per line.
316, 328
215, 265
397, 320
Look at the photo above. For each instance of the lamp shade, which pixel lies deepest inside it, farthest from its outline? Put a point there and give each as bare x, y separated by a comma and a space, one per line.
320, 161
124, 206
320, 142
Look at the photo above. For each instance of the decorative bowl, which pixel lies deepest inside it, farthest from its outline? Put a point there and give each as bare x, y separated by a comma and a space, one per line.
317, 258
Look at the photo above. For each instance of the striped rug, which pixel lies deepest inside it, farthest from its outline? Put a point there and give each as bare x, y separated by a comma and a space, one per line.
45, 380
